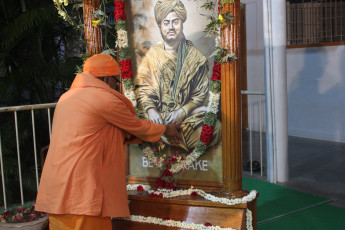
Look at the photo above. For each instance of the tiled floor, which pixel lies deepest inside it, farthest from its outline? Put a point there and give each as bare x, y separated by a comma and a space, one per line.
315, 167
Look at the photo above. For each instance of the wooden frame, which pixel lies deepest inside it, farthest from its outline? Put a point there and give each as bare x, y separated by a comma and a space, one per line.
231, 117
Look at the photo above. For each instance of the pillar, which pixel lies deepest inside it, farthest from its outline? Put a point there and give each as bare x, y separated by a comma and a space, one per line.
276, 90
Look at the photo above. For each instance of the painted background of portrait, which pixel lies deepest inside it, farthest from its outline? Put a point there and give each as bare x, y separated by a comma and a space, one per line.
144, 33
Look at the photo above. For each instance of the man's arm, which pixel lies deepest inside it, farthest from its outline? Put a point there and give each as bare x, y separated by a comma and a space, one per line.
118, 114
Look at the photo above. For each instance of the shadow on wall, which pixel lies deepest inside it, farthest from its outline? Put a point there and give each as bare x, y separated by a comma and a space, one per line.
316, 94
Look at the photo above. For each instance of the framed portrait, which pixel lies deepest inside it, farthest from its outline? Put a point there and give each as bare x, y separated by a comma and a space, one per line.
172, 66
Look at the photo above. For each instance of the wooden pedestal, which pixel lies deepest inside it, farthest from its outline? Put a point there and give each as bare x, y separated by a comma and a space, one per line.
185, 208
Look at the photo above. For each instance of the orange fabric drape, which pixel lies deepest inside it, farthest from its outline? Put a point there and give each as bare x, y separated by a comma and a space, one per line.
75, 222
85, 171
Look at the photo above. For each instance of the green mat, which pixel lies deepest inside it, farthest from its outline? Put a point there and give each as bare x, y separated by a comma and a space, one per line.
323, 217
275, 200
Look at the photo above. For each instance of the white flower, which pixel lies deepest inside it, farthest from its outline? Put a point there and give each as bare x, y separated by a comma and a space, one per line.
133, 187
131, 96
213, 103
122, 38
249, 218
172, 223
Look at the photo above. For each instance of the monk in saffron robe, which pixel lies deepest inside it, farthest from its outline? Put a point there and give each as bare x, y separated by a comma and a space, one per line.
83, 181
172, 83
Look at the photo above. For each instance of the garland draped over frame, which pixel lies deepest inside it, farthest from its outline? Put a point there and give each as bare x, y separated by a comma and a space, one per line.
169, 165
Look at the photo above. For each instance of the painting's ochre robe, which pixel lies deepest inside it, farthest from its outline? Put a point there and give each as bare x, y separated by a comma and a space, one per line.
155, 89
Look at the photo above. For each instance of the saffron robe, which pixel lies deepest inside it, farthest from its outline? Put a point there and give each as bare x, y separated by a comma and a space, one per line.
85, 172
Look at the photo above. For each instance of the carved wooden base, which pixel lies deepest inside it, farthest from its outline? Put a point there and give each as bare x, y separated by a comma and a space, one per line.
185, 208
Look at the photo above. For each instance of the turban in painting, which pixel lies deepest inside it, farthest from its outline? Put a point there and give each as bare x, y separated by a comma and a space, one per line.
164, 7
102, 65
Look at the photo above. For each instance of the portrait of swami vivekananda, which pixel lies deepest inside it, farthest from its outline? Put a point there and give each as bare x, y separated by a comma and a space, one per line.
172, 82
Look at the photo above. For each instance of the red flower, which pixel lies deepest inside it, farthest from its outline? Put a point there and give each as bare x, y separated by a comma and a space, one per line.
159, 183
208, 224
18, 218
119, 12
140, 188
5, 214
194, 194
171, 185
206, 134
126, 69
167, 173
216, 73
21, 208
152, 194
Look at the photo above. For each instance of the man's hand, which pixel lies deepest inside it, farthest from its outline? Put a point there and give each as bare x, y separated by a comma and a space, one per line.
176, 117
154, 116
172, 133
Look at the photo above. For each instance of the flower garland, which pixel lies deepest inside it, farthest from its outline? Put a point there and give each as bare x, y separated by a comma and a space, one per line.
168, 164
249, 217
124, 54
212, 108
168, 193
173, 223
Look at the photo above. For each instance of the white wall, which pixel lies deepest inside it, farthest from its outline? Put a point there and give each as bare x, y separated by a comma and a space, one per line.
316, 82
316, 92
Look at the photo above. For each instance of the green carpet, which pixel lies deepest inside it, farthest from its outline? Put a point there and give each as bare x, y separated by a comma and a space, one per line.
275, 200
323, 217
280, 208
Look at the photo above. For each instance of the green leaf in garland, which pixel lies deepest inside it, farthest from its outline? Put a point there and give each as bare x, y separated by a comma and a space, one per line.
228, 17
145, 145
124, 53
210, 119
213, 27
208, 6
120, 25
110, 52
128, 84
215, 86
228, 58
227, 1
200, 147
222, 55
137, 112
219, 53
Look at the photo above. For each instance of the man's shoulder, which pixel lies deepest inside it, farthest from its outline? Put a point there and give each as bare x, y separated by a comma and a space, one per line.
192, 48
195, 52
159, 47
